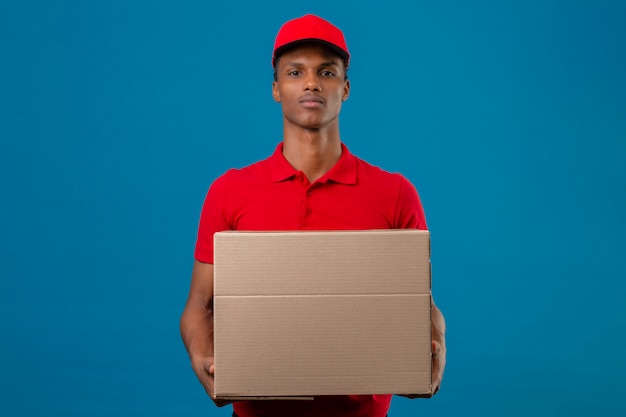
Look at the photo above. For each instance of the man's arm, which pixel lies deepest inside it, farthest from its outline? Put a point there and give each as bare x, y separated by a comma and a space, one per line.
196, 326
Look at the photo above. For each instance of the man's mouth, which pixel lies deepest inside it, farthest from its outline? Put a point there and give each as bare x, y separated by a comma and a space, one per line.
311, 101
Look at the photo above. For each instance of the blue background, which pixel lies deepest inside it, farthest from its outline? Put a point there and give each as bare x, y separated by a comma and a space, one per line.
509, 117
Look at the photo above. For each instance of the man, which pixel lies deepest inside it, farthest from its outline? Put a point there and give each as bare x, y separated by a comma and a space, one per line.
311, 182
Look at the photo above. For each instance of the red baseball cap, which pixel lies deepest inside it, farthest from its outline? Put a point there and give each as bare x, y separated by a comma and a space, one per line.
310, 28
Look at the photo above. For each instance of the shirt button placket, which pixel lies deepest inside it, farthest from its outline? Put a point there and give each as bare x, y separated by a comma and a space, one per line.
308, 211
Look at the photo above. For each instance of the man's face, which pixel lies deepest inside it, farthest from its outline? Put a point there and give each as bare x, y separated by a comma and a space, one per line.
310, 86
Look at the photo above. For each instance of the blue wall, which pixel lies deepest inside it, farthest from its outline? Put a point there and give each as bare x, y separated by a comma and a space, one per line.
509, 117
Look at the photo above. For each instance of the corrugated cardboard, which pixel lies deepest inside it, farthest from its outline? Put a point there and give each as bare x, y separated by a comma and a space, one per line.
300, 314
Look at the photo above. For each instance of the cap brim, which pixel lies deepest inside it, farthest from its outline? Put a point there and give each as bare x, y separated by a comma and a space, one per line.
284, 48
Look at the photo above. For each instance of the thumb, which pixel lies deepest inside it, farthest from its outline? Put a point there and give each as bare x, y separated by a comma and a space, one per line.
209, 366
436, 347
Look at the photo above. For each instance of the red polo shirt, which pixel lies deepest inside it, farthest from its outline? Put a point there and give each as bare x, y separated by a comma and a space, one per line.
272, 195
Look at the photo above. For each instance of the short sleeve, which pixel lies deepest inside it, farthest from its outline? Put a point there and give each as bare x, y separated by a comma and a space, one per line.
409, 211
213, 218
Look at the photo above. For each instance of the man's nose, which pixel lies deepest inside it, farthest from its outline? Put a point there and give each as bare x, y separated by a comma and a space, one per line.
312, 83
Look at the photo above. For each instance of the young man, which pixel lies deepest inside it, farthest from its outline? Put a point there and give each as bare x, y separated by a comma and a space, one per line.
311, 182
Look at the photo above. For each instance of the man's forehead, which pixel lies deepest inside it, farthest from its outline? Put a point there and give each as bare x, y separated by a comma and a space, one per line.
310, 50
303, 62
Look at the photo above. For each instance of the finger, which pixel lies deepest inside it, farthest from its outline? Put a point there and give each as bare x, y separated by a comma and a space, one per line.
209, 383
208, 366
436, 382
436, 347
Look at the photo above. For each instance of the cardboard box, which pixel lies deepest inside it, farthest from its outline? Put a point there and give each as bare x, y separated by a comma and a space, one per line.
300, 314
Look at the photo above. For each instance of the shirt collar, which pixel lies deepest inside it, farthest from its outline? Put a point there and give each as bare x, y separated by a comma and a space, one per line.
343, 172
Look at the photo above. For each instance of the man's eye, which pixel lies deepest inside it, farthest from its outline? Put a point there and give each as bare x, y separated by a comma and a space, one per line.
328, 73
293, 73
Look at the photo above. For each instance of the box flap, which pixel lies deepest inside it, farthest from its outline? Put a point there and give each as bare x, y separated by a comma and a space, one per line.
297, 263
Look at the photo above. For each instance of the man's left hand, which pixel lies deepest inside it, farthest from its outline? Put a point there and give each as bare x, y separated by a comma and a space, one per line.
439, 364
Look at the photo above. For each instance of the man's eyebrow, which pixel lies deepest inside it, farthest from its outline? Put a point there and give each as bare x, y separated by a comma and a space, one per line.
323, 64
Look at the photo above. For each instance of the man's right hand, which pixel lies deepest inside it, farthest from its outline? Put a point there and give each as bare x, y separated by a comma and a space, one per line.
205, 370
196, 327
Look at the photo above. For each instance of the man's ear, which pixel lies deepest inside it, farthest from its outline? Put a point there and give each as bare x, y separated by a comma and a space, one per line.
346, 90
275, 92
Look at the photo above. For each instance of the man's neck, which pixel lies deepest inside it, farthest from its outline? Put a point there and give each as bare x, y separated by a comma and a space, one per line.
314, 152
